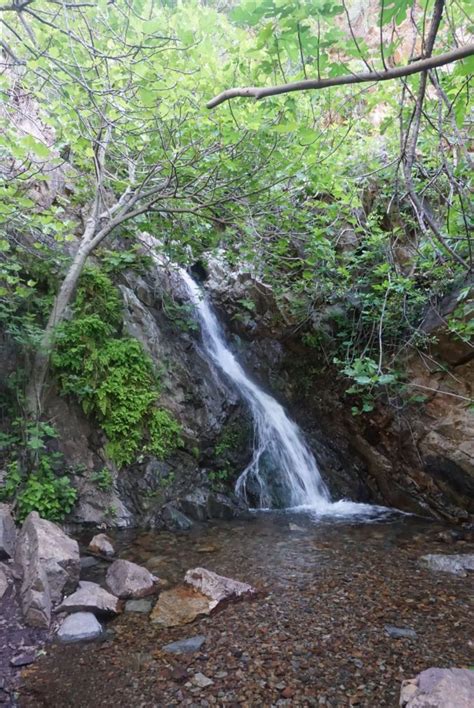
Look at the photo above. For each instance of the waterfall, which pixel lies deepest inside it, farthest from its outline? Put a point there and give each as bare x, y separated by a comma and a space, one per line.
279, 450
281, 458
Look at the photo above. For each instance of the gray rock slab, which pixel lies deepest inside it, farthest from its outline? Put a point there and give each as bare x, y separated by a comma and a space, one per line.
439, 688
7, 532
44, 543
455, 564
185, 646
90, 597
201, 681
218, 587
3, 583
79, 627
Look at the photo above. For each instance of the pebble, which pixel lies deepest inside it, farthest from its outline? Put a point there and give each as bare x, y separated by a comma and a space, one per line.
201, 681
400, 632
185, 646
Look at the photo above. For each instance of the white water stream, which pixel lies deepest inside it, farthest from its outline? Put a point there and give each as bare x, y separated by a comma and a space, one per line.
281, 459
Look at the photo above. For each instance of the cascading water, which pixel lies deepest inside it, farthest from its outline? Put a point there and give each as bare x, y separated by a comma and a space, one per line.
279, 446
281, 458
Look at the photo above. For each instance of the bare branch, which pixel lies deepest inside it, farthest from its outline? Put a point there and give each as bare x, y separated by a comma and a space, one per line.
315, 84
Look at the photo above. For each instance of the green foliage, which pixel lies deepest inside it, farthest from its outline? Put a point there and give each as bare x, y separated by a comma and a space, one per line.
103, 479
33, 481
218, 477
111, 375
181, 315
114, 262
163, 433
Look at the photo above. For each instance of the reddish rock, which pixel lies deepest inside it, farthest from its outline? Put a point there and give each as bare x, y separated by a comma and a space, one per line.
180, 605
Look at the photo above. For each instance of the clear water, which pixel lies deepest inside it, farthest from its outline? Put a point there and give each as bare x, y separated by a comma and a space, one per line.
282, 465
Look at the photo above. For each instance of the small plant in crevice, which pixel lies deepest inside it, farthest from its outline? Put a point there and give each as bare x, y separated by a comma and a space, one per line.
103, 479
182, 315
220, 477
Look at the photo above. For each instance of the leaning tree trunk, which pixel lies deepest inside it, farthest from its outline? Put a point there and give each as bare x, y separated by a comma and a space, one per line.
36, 384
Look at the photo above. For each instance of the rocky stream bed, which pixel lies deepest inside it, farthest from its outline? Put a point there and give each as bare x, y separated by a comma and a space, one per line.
345, 612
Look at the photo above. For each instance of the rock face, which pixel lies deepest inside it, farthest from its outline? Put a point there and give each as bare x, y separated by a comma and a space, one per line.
3, 582
79, 627
50, 563
439, 688
90, 597
419, 458
454, 564
125, 579
217, 587
102, 544
202, 504
7, 533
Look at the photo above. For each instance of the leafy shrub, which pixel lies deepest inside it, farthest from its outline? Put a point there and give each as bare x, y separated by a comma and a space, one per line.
43, 489
111, 375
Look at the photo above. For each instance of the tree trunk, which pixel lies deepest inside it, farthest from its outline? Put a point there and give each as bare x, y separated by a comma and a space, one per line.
39, 370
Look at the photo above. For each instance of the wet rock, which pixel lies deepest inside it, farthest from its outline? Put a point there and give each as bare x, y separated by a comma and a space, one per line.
23, 659
185, 646
7, 533
142, 606
89, 562
202, 505
439, 688
218, 588
90, 597
400, 632
180, 605
295, 527
221, 507
126, 579
175, 520
102, 544
50, 565
3, 583
195, 505
454, 564
79, 627
201, 681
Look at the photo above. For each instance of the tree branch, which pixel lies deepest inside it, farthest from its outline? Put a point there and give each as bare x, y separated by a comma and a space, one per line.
365, 77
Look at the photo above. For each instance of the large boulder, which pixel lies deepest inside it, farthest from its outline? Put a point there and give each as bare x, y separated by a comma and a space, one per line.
439, 688
90, 597
79, 627
7, 533
126, 579
50, 565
